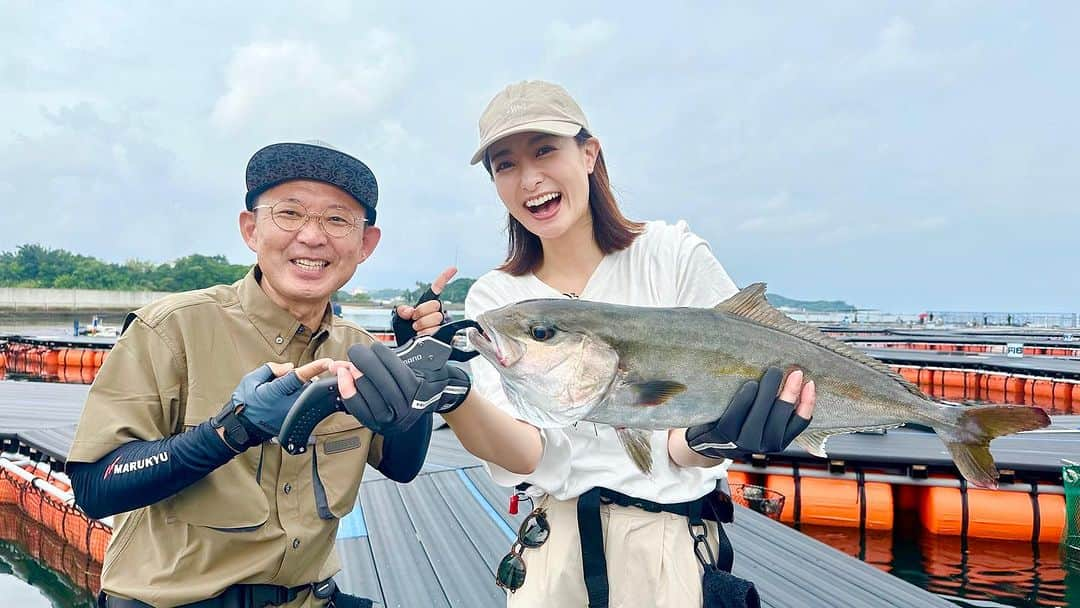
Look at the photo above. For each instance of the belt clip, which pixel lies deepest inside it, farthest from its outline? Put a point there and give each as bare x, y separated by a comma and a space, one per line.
649, 506
324, 590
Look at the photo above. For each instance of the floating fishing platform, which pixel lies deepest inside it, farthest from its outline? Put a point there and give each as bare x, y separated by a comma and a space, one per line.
436, 541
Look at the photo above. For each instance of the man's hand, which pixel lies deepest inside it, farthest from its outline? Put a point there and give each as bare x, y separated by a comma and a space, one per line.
757, 421
426, 316
388, 396
258, 405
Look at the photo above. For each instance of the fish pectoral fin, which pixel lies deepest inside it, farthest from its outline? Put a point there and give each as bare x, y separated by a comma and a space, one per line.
814, 442
636, 443
655, 392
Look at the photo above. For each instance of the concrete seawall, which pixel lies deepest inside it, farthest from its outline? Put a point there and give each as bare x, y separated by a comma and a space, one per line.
21, 299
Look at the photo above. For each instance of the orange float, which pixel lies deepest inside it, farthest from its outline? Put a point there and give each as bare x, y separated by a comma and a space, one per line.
739, 477
911, 374
953, 378
1061, 397
834, 502
79, 357
992, 514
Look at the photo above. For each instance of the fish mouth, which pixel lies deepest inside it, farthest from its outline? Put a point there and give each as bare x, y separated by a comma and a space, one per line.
493, 346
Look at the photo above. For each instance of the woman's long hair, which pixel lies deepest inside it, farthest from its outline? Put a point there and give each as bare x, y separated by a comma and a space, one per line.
611, 229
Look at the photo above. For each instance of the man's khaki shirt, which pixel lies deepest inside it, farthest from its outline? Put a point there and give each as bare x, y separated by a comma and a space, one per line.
263, 517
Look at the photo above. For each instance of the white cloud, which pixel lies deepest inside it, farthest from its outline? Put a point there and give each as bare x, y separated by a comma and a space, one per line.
897, 50
569, 41
307, 84
784, 223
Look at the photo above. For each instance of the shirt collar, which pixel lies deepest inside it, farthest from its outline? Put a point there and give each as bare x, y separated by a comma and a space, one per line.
276, 325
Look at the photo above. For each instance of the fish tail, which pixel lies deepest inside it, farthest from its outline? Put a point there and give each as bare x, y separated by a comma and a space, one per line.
972, 429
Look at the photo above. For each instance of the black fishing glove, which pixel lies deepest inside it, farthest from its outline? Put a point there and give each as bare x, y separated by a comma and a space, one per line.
392, 396
257, 408
756, 421
403, 328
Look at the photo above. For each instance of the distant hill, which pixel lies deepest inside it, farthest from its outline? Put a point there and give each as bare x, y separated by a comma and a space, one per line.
809, 305
456, 290
385, 294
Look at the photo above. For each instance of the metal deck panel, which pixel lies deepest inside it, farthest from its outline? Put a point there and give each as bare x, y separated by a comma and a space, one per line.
358, 575
1035, 450
467, 578
485, 529
405, 571
1030, 365
52, 442
497, 496
39, 405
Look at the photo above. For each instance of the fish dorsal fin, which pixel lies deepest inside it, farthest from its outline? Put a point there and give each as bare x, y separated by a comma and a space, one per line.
750, 303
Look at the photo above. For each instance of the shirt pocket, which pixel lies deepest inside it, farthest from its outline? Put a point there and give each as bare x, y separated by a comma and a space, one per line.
230, 498
337, 464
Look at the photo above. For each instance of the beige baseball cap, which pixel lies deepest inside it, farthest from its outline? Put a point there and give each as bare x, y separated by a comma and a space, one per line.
531, 105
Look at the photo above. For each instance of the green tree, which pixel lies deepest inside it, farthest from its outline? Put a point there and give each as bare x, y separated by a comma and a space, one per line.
457, 289
347, 298
33, 265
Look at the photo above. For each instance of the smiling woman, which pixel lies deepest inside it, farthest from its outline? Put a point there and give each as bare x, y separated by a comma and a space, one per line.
567, 236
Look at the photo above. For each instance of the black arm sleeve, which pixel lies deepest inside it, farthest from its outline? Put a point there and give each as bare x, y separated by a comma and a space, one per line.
141, 473
403, 454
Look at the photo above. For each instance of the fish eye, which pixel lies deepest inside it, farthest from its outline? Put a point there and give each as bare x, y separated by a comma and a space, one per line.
540, 333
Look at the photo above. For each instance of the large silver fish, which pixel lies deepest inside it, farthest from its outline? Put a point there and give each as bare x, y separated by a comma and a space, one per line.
640, 369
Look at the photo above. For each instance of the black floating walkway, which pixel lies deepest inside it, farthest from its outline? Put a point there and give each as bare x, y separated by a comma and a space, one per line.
436, 541
1041, 366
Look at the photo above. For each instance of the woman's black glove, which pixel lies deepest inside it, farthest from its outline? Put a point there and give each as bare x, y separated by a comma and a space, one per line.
756, 421
392, 396
403, 328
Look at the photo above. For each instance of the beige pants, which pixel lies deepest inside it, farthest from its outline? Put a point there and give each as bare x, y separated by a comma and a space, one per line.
650, 561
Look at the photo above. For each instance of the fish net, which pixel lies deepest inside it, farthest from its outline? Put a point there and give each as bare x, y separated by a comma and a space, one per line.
48, 549
52, 529
1070, 545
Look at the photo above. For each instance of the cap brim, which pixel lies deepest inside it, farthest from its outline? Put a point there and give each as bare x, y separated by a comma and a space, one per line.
561, 128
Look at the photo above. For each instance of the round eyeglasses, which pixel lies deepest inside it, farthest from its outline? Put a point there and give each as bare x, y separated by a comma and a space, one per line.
534, 532
291, 215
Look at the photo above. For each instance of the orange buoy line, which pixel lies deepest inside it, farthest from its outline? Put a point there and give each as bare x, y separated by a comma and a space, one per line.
62, 364
1058, 395
870, 500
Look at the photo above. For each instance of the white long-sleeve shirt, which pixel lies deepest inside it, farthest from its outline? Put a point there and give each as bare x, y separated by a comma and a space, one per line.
666, 266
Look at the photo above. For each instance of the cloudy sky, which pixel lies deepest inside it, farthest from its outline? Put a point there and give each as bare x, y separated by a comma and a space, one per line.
904, 156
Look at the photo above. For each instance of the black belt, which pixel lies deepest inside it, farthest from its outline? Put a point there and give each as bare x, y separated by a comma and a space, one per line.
714, 506
236, 596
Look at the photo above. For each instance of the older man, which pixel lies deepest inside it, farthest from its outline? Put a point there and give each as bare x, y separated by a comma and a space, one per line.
212, 512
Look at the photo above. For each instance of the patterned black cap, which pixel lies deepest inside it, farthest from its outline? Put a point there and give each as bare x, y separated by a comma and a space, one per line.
318, 161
